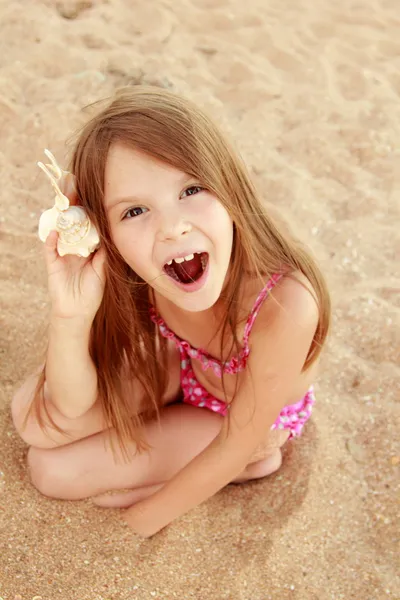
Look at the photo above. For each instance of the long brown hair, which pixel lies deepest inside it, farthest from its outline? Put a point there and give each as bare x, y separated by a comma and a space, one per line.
123, 338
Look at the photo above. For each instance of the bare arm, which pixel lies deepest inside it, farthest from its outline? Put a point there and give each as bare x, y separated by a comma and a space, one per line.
277, 356
70, 373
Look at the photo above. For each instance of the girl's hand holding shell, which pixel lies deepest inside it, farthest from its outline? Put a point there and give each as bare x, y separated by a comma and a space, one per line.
77, 235
76, 279
76, 284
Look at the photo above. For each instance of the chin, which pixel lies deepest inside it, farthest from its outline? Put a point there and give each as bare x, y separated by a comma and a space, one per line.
196, 301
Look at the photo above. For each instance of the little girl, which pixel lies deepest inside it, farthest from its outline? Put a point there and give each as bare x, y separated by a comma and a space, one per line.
189, 340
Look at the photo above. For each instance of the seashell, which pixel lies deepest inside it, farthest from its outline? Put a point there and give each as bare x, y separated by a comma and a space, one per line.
77, 235
55, 174
72, 225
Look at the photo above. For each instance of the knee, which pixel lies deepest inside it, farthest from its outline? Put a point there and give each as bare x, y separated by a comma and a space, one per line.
46, 473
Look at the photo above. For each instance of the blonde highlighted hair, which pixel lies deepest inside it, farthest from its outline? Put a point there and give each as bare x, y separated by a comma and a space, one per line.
123, 338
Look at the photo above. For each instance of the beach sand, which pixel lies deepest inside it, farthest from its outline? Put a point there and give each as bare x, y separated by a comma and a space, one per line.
309, 92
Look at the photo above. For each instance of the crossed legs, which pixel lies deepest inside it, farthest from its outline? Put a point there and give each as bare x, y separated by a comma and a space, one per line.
87, 467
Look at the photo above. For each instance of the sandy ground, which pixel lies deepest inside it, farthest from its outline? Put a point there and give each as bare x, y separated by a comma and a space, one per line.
309, 90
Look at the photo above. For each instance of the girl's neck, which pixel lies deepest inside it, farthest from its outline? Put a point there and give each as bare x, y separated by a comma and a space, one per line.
211, 317
162, 304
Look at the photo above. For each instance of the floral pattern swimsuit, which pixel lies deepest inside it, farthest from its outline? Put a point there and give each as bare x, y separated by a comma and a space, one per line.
292, 417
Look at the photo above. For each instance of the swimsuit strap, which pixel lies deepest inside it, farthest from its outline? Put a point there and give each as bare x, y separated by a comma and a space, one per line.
165, 330
271, 283
236, 363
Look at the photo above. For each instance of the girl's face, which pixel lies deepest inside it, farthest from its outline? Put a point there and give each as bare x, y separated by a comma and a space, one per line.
159, 214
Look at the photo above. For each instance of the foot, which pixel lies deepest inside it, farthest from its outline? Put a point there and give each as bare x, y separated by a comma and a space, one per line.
261, 468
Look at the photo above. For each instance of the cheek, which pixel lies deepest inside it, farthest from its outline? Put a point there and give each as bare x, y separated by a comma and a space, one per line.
216, 218
223, 225
133, 248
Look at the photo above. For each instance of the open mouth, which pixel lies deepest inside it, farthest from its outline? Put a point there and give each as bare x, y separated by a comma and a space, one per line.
189, 269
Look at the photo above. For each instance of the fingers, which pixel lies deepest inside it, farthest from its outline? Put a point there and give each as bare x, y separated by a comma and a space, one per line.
74, 263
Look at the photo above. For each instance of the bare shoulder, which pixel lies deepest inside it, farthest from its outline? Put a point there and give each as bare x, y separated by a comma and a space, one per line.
291, 302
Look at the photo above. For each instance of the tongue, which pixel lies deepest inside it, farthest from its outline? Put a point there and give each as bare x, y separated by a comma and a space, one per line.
189, 270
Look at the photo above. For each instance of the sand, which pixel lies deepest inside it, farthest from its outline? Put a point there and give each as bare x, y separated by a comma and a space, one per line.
309, 90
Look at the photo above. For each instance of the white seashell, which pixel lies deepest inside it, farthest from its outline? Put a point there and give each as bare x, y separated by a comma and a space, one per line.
72, 225
77, 235
55, 174
47, 222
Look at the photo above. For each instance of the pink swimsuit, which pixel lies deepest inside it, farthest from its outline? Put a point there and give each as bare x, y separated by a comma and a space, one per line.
292, 417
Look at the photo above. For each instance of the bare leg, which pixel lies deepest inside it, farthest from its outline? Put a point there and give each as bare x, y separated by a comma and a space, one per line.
90, 423
87, 467
256, 470
261, 468
126, 499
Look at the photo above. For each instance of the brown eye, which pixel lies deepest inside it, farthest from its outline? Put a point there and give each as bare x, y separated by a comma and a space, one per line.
192, 190
134, 212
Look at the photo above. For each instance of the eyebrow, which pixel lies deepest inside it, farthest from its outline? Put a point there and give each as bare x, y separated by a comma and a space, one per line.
136, 200
124, 200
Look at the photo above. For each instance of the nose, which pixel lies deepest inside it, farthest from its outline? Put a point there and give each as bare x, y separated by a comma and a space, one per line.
172, 225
